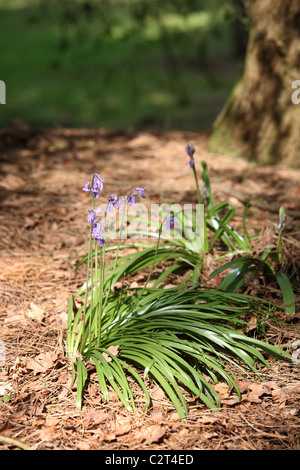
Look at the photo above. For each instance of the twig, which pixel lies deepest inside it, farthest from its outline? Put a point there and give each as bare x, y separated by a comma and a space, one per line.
14, 442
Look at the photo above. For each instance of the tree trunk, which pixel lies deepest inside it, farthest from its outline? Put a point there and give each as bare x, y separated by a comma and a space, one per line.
261, 119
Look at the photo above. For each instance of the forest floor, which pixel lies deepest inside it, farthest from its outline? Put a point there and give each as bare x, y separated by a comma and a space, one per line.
43, 233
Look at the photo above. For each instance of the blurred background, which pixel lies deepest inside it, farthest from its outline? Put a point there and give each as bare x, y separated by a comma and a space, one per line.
120, 64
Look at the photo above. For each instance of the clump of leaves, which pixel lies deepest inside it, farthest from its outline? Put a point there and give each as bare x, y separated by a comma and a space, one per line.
184, 339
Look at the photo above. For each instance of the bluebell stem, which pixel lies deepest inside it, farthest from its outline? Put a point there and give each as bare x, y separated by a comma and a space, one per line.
201, 195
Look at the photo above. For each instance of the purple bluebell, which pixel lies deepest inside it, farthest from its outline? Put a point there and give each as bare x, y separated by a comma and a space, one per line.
97, 233
92, 217
170, 223
141, 192
97, 184
131, 199
118, 204
112, 202
190, 150
87, 186
132, 196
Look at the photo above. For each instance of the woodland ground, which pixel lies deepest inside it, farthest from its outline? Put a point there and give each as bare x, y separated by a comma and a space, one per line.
44, 232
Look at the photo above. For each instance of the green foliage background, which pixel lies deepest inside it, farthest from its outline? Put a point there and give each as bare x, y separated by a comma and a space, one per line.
120, 64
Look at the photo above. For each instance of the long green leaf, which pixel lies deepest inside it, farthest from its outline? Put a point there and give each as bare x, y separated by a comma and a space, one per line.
287, 293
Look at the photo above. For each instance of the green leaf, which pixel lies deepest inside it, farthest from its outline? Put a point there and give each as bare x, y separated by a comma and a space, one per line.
82, 376
287, 293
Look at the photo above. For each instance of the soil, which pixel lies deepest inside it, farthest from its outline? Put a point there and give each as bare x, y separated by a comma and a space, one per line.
43, 234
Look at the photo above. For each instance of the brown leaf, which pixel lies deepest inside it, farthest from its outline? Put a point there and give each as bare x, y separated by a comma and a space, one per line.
36, 312
41, 363
122, 426
282, 395
222, 390
5, 388
149, 434
256, 391
113, 350
158, 394
96, 417
157, 414
47, 432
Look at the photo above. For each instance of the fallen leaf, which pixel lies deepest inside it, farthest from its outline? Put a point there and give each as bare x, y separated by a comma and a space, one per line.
149, 434
5, 388
41, 363
36, 312
52, 421
110, 436
157, 414
207, 419
96, 417
256, 391
113, 350
47, 432
122, 426
282, 395
158, 394
222, 390
134, 285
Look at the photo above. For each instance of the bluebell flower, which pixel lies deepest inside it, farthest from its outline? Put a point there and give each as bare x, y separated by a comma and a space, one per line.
118, 204
141, 192
131, 199
113, 200
97, 233
98, 183
132, 196
97, 186
87, 186
190, 150
92, 217
170, 223
282, 218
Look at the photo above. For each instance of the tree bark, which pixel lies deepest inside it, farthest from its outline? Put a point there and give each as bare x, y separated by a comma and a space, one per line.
260, 121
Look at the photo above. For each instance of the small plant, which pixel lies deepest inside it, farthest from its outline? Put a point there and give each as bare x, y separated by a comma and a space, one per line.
242, 265
185, 338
